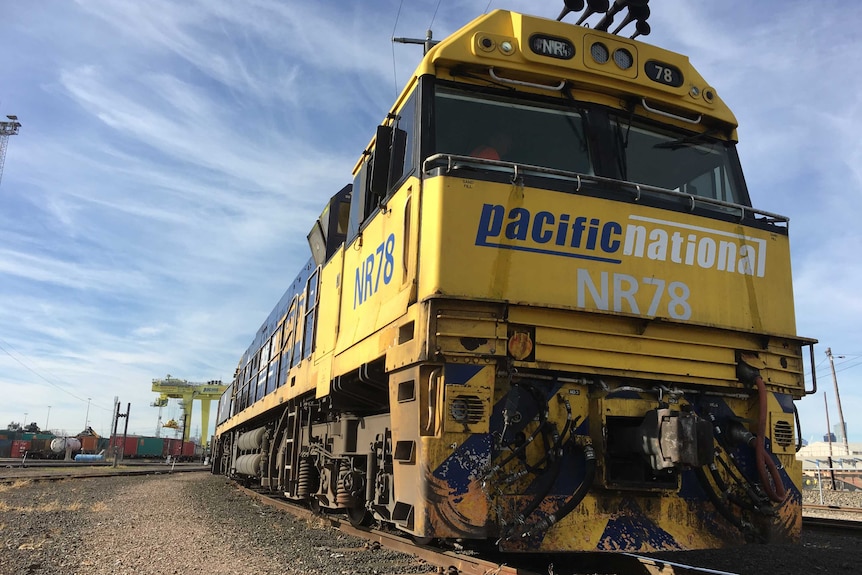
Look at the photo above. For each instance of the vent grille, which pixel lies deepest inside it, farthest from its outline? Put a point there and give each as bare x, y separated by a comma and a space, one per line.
782, 434
467, 409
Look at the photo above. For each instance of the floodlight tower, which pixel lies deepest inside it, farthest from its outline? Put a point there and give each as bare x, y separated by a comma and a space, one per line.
8, 128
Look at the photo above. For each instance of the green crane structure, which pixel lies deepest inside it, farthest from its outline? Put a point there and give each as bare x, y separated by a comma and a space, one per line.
187, 392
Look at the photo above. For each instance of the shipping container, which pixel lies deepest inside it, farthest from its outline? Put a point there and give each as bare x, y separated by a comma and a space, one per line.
130, 448
151, 447
5, 447
89, 443
173, 447
20, 447
189, 450
185, 450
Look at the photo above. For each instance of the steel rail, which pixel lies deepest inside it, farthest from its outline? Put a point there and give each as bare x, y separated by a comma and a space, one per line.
88, 474
452, 563
832, 525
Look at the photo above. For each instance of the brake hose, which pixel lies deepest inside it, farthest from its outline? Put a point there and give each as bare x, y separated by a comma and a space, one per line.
576, 498
775, 489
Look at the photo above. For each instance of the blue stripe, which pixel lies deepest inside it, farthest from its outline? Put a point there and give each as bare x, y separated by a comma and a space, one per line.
549, 252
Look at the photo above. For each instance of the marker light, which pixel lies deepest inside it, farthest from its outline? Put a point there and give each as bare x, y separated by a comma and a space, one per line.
600, 53
623, 58
520, 345
487, 44
506, 47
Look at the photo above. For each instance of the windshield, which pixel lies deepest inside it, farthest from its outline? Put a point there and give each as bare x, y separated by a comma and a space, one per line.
696, 164
504, 129
586, 140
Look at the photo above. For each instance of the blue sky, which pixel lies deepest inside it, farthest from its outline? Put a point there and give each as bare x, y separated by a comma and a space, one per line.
173, 155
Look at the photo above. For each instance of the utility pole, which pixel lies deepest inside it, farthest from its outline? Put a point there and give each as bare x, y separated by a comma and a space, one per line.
838, 399
114, 438
7, 128
829, 437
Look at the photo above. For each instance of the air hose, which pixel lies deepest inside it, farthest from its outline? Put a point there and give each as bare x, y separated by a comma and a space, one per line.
543, 422
553, 473
775, 489
767, 471
721, 507
574, 500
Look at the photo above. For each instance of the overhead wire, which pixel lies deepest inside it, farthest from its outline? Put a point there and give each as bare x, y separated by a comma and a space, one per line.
434, 16
42, 377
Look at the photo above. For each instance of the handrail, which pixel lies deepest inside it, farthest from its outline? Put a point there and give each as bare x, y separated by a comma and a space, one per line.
813, 372
670, 115
558, 88
452, 161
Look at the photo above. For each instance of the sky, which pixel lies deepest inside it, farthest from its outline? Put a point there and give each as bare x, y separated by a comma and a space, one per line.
174, 154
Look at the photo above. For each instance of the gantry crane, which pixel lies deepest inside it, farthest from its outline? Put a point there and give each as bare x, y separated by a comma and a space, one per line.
187, 392
7, 128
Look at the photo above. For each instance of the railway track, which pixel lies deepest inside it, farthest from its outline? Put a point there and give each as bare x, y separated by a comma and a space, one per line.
453, 562
89, 472
833, 519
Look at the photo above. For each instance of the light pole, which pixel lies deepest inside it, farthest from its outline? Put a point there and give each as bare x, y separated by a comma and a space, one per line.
47, 419
24, 424
87, 417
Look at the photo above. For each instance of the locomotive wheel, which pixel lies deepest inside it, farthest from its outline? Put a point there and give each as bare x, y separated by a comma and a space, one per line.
314, 505
358, 516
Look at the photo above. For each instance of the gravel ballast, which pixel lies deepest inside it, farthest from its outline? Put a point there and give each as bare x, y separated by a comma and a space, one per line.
185, 523
199, 523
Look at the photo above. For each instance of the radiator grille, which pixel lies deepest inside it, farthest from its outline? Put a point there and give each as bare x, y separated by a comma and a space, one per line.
782, 434
467, 409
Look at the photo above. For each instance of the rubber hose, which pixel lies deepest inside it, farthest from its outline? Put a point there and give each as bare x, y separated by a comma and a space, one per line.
764, 461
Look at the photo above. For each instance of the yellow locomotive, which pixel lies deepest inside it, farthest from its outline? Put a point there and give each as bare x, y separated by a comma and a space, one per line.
544, 314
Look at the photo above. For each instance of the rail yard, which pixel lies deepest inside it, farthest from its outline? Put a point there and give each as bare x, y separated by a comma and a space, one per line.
157, 524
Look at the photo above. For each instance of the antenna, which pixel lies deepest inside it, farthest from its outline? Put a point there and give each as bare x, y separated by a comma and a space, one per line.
428, 43
7, 128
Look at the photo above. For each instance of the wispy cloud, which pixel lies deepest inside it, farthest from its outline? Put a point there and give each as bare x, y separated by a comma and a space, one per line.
174, 155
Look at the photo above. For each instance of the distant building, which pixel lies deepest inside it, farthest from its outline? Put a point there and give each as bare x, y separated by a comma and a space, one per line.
839, 433
816, 454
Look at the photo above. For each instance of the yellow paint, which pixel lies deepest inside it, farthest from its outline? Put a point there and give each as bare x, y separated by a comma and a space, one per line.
756, 269
589, 80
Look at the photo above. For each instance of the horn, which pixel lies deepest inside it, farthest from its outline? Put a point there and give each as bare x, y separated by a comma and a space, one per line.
635, 13
618, 6
593, 6
642, 28
571, 6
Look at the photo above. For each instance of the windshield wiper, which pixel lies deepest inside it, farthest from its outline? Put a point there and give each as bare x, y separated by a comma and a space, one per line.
687, 141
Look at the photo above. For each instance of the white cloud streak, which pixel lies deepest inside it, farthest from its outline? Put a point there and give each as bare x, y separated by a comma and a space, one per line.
174, 155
